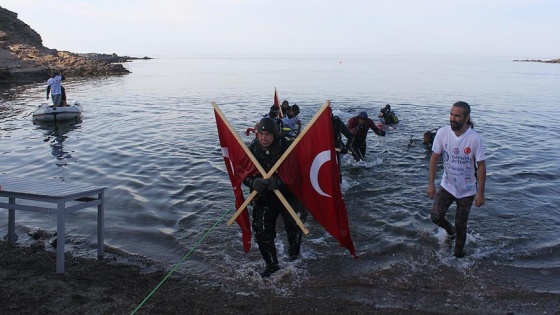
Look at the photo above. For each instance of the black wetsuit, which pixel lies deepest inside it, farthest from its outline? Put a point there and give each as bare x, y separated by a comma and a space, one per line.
267, 206
339, 129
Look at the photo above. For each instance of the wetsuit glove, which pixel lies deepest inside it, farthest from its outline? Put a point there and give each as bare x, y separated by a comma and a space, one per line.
259, 184
274, 182
382, 133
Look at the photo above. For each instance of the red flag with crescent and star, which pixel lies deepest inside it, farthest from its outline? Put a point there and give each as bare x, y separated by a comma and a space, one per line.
312, 173
238, 166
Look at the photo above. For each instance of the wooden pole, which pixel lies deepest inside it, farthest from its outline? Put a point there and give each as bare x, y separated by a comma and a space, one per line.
238, 138
298, 139
262, 172
278, 163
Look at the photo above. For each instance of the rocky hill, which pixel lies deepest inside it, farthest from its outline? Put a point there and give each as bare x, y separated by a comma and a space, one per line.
24, 59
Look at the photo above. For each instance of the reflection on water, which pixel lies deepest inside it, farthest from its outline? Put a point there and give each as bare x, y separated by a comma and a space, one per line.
8, 111
12, 97
55, 134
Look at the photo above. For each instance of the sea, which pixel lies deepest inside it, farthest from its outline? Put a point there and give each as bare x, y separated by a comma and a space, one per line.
150, 137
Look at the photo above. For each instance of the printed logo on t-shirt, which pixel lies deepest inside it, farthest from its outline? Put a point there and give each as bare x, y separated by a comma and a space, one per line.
467, 150
456, 151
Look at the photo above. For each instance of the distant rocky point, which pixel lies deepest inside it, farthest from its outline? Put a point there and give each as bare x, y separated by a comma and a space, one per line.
111, 57
538, 60
24, 59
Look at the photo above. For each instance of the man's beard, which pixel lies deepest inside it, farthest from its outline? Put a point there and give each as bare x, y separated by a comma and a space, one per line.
456, 125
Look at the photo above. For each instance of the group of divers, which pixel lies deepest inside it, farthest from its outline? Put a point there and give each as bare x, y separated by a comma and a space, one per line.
355, 130
274, 132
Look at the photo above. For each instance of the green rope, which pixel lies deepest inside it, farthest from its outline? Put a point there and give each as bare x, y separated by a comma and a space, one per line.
181, 261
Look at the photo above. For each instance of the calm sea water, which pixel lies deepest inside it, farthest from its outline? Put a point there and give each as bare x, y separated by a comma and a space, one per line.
150, 137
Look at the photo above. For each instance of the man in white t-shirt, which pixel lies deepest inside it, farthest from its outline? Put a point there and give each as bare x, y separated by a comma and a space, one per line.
463, 153
54, 87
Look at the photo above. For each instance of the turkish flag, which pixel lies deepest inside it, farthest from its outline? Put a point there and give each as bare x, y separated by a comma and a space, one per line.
239, 166
312, 173
277, 103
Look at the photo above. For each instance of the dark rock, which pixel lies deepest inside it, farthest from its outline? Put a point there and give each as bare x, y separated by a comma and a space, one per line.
24, 59
14, 31
37, 246
40, 234
5, 74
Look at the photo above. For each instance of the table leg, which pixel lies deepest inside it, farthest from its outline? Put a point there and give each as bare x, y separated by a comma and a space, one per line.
12, 236
100, 225
60, 237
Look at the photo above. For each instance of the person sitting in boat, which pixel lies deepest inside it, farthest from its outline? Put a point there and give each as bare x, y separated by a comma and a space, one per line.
388, 116
54, 87
292, 123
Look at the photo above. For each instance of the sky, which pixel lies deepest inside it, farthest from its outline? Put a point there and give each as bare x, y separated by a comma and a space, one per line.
520, 29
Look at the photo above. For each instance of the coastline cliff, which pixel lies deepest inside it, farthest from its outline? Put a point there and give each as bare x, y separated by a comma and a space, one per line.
24, 59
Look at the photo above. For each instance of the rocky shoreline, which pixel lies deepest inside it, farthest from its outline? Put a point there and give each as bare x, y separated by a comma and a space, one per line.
24, 59
537, 60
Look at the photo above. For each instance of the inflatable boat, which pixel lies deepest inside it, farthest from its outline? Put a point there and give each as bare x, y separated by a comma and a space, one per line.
48, 113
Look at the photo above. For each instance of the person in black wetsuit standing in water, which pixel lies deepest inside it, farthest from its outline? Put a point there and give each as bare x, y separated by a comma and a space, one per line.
267, 148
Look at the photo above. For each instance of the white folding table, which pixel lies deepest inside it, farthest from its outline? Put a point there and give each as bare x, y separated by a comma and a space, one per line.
55, 197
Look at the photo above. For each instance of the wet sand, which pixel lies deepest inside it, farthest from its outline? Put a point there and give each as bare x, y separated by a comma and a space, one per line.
119, 285
30, 285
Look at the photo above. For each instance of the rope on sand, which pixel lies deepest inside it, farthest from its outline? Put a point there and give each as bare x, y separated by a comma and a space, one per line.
181, 261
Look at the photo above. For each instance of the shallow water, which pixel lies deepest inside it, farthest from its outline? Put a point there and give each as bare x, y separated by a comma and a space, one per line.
150, 137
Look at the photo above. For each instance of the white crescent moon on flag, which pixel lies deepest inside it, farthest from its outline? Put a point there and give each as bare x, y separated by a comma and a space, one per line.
225, 153
319, 160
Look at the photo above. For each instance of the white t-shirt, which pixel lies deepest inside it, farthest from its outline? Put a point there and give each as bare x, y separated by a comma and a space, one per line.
55, 84
459, 156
